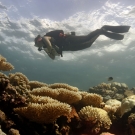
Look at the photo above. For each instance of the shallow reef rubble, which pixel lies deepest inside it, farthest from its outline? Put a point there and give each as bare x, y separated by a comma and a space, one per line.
36, 108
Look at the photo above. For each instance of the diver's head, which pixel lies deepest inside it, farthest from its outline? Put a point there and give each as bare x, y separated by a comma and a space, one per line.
38, 40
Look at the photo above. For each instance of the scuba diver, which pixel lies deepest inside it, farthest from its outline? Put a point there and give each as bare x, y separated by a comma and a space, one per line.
55, 42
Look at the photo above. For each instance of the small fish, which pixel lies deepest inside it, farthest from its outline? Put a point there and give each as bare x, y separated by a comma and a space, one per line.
110, 78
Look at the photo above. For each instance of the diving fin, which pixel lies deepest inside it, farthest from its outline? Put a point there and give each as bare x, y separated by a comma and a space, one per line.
113, 35
116, 29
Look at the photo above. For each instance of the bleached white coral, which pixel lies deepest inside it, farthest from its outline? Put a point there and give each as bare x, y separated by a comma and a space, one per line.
127, 104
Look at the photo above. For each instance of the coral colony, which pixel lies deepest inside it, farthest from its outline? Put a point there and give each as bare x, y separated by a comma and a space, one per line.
36, 108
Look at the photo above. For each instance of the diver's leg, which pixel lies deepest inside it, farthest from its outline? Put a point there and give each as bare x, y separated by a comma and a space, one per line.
82, 39
116, 29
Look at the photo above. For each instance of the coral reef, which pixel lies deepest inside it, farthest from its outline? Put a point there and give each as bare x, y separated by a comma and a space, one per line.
61, 94
91, 99
112, 106
113, 90
4, 65
131, 123
36, 84
32, 107
63, 85
127, 104
95, 118
44, 113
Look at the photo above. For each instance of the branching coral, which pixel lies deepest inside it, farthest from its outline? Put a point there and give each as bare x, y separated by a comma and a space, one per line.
4, 65
63, 85
20, 82
44, 113
8, 93
91, 99
36, 84
95, 118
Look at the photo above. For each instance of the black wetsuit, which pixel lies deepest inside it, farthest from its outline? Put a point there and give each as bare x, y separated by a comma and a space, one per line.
75, 43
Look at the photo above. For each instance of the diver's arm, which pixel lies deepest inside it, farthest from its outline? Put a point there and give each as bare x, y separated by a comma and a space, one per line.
46, 40
50, 50
50, 54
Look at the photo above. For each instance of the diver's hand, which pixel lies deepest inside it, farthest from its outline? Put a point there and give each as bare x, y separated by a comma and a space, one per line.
39, 49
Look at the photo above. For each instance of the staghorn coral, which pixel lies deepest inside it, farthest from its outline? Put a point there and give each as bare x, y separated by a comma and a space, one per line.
44, 113
4, 65
36, 84
60, 94
63, 85
91, 99
94, 117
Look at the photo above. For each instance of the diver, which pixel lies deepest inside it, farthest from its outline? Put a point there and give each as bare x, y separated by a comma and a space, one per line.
55, 42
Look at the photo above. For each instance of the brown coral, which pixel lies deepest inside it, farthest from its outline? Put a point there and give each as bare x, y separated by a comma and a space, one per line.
96, 118
4, 65
68, 96
131, 123
13, 132
42, 99
63, 85
91, 99
45, 91
61, 94
44, 113
20, 82
36, 84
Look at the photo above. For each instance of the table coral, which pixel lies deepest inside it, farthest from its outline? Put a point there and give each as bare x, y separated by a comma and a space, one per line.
95, 118
63, 85
42, 99
91, 99
44, 113
4, 65
61, 94
36, 84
